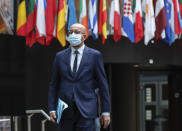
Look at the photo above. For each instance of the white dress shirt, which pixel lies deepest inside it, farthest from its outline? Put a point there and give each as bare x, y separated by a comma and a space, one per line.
79, 57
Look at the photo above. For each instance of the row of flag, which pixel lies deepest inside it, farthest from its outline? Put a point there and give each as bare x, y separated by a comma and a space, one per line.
44, 20
41, 21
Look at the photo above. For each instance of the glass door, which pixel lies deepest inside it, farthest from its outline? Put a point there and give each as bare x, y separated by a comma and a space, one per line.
153, 103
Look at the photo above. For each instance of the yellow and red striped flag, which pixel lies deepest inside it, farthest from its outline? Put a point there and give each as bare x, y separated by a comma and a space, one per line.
103, 20
21, 18
61, 35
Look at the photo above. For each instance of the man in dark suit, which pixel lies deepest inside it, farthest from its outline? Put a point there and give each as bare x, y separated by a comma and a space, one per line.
75, 71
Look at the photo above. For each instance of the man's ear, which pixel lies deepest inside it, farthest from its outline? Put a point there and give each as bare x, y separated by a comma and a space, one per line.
83, 37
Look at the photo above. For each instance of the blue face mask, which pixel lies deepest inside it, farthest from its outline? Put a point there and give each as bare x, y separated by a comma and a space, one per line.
75, 39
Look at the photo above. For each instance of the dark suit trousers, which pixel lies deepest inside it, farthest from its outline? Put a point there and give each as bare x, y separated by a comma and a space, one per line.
72, 120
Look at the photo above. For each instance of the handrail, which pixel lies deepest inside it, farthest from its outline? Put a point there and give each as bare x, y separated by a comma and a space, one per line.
38, 112
3, 120
32, 112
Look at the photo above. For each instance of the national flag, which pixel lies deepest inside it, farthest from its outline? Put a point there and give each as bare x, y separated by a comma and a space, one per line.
21, 18
128, 22
180, 4
133, 6
179, 14
72, 13
61, 36
177, 18
160, 17
103, 20
138, 21
83, 15
149, 24
51, 13
31, 23
180, 7
40, 21
115, 19
93, 24
169, 30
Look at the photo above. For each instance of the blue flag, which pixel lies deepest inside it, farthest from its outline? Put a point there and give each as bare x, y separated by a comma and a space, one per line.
72, 13
169, 30
93, 22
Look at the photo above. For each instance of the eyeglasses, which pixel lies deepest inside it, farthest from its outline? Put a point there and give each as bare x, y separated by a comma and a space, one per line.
75, 31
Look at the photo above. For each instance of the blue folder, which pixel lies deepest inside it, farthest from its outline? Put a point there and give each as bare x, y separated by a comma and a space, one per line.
61, 106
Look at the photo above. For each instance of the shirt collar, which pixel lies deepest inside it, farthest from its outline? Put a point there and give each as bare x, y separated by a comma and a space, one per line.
80, 50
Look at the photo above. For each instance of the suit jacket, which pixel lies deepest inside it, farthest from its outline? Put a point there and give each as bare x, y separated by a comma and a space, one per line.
65, 84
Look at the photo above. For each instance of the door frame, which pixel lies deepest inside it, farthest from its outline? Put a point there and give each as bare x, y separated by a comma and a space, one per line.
151, 70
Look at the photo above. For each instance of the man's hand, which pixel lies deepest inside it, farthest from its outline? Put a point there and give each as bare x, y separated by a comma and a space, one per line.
105, 121
53, 117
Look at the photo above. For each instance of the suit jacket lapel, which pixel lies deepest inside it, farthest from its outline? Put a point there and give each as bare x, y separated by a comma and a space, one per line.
68, 58
84, 58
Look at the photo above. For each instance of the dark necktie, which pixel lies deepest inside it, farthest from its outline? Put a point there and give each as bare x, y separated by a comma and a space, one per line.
75, 62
